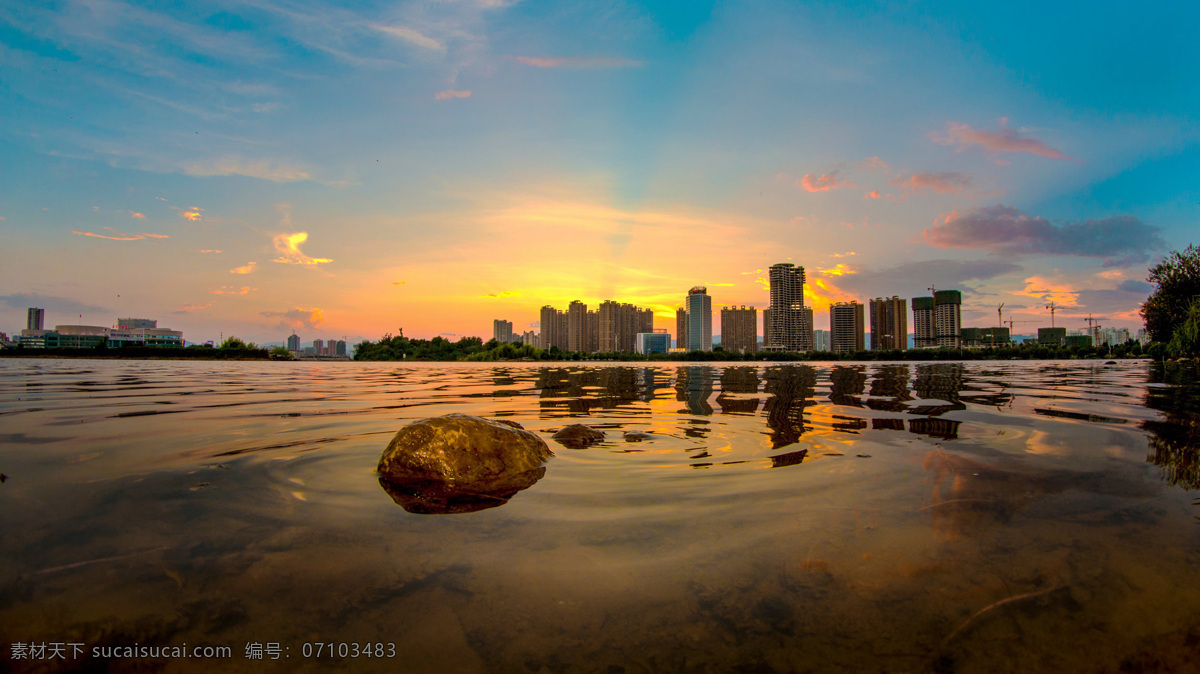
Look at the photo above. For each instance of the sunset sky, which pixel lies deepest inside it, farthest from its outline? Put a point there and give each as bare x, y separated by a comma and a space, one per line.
350, 169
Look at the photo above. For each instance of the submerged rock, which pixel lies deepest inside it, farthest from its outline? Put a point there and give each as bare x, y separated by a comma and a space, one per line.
636, 436
578, 436
460, 463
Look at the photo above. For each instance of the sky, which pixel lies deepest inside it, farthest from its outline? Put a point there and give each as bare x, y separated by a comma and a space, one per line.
352, 169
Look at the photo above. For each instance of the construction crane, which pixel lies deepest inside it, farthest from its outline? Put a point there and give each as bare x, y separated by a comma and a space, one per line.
1051, 307
1094, 328
1011, 332
1000, 313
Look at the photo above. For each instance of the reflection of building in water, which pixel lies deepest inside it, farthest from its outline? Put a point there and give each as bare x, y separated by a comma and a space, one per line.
941, 381
694, 385
947, 429
576, 391
847, 384
791, 389
844, 424
738, 380
887, 424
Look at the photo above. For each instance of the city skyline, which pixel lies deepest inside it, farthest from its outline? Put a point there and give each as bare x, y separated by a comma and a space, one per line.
257, 168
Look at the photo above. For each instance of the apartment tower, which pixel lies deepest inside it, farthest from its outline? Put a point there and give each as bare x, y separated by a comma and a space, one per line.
502, 330
739, 329
846, 327
889, 324
699, 319
785, 331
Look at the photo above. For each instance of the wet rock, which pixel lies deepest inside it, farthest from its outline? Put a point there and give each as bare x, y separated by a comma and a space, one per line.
636, 436
578, 436
460, 463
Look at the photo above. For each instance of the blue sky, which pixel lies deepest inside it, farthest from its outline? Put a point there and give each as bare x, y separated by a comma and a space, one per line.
453, 162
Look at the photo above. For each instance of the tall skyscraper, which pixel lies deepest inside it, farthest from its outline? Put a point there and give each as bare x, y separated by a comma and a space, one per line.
806, 329
846, 327
619, 324
593, 332
889, 323
293, 342
766, 333
577, 326
786, 331
924, 327
947, 306
502, 330
739, 329
937, 320
318, 346
35, 319
699, 310
554, 328
681, 328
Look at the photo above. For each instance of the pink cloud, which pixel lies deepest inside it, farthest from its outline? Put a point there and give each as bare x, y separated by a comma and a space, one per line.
823, 183
192, 307
578, 62
137, 216
451, 93
873, 163
942, 183
873, 194
121, 236
1003, 139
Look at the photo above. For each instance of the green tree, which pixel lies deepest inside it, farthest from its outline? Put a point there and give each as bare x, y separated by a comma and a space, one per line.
1177, 281
232, 342
1186, 339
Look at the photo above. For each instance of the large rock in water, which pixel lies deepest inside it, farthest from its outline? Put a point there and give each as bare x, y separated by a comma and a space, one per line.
460, 463
578, 436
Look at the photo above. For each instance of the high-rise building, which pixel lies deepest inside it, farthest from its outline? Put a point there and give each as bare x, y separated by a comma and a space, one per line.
924, 325
593, 332
35, 319
846, 327
766, 333
889, 323
806, 329
619, 324
947, 307
502, 330
821, 340
554, 328
785, 332
293, 342
341, 348
577, 314
318, 346
681, 328
739, 329
699, 311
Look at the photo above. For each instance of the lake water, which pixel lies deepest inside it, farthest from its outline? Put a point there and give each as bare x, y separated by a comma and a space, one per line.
977, 517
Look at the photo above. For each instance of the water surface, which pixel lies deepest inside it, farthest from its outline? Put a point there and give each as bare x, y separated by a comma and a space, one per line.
968, 517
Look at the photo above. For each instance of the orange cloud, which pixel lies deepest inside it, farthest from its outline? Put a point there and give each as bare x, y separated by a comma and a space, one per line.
451, 93
838, 270
1003, 139
137, 216
399, 283
823, 183
1050, 290
210, 250
121, 236
297, 318
873, 194
192, 214
187, 308
507, 293
233, 290
288, 246
248, 268
942, 183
